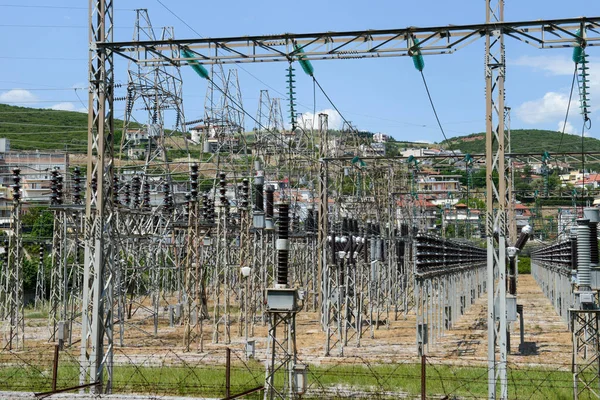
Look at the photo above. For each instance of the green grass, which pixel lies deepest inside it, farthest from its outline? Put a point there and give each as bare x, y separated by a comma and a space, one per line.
25, 372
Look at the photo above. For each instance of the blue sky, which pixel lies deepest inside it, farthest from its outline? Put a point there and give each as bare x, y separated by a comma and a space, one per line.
44, 56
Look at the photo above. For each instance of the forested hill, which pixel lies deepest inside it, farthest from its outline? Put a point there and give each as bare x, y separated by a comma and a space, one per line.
527, 141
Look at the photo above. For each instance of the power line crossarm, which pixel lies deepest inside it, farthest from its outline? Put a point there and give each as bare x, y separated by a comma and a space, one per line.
545, 34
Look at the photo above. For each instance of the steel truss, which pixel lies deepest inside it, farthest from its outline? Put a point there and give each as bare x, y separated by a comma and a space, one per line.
586, 353
66, 273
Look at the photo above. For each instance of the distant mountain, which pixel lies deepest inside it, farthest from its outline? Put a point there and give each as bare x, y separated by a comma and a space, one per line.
527, 141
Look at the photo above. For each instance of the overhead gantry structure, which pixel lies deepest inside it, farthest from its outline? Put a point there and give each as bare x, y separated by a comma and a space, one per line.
99, 268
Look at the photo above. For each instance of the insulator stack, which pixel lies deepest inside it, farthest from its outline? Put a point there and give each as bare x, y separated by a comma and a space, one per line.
594, 244
333, 243
16, 184
205, 205
211, 210
259, 199
583, 254
130, 101
188, 205
400, 253
523, 237
41, 256
573, 248
559, 255
404, 230
115, 190
245, 189
435, 255
282, 245
310, 221
167, 197
54, 197
194, 181
59, 188
292, 95
136, 184
127, 189
270, 197
223, 190
593, 215
345, 227
76, 186
146, 195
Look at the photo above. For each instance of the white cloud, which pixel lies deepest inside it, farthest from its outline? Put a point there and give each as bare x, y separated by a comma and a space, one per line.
334, 119
18, 96
549, 107
67, 107
569, 128
554, 65
553, 105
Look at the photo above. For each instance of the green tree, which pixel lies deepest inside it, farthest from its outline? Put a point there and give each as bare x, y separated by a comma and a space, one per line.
474, 203
391, 149
38, 222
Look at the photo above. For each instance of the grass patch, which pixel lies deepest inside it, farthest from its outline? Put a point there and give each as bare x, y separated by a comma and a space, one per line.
373, 381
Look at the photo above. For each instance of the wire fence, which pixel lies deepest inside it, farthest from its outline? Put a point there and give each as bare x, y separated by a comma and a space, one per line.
172, 373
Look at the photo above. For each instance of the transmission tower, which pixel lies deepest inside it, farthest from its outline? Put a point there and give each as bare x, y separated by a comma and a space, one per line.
156, 90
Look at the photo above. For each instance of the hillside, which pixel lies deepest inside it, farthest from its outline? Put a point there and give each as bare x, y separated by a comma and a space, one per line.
44, 129
527, 141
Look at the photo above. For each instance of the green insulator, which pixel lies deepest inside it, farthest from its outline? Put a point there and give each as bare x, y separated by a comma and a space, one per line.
417, 57
577, 54
584, 86
304, 63
292, 99
196, 66
578, 50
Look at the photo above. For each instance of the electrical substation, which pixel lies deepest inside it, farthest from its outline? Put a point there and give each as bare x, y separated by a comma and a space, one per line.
296, 248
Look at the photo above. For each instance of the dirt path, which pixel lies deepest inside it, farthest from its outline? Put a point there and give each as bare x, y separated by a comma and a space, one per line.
546, 340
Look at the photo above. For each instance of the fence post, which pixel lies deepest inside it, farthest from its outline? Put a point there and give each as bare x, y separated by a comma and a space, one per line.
55, 367
228, 374
423, 377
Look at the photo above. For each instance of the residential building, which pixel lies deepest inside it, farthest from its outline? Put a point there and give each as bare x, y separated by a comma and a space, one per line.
36, 168
443, 187
420, 213
461, 217
522, 216
372, 150
380, 138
